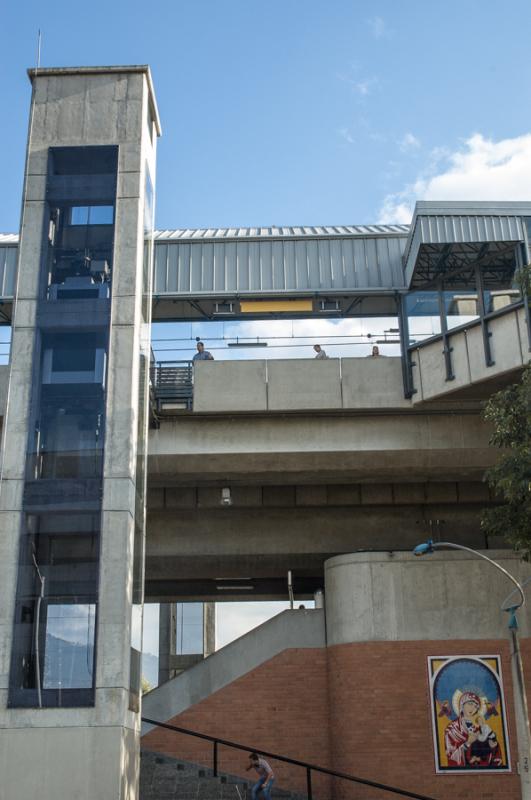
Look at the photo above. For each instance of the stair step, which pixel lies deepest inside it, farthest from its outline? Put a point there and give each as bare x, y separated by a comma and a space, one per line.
166, 778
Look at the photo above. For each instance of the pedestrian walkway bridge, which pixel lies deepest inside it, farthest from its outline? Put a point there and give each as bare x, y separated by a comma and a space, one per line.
450, 366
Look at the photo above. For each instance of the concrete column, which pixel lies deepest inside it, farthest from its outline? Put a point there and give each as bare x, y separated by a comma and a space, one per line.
167, 640
90, 750
209, 628
397, 597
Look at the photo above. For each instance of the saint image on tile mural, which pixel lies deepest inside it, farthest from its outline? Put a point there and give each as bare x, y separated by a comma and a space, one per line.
468, 713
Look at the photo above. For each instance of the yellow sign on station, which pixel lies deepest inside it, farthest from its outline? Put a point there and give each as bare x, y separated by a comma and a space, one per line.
275, 306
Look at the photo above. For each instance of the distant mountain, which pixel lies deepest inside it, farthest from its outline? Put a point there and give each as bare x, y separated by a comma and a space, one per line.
150, 669
70, 664
67, 664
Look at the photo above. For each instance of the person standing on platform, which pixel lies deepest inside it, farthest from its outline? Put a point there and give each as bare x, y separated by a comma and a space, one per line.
320, 352
202, 354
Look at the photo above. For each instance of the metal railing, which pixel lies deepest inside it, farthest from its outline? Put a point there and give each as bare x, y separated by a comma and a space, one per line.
310, 768
172, 383
446, 335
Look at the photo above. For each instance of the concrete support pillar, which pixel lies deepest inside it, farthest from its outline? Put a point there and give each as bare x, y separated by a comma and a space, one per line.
72, 500
167, 640
171, 663
209, 628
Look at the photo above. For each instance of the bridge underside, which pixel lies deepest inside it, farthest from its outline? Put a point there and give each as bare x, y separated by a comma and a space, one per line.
304, 488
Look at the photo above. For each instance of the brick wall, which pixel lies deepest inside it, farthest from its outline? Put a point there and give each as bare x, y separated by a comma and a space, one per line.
281, 706
380, 719
360, 708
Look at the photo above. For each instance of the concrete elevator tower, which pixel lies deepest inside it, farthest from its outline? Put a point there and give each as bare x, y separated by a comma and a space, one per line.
72, 502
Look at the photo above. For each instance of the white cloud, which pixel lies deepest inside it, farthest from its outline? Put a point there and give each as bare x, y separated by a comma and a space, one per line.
379, 28
365, 86
409, 142
481, 169
362, 86
150, 641
346, 135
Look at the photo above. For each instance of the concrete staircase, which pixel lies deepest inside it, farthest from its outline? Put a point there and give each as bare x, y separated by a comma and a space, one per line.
165, 778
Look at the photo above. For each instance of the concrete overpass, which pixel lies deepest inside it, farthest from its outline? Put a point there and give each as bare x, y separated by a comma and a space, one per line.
321, 458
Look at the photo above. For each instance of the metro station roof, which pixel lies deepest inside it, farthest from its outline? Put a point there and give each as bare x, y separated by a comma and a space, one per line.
447, 240
280, 232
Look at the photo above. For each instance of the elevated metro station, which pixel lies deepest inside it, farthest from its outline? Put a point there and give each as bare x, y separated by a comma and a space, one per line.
127, 479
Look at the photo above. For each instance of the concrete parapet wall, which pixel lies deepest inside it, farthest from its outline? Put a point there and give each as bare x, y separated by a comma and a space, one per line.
295, 384
396, 596
372, 383
508, 340
230, 385
298, 385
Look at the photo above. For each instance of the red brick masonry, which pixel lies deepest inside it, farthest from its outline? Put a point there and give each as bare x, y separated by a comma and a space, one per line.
358, 708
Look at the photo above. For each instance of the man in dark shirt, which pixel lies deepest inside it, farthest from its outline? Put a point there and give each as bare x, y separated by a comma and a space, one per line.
202, 354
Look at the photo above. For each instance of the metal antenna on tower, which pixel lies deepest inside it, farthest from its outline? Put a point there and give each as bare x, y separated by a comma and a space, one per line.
39, 48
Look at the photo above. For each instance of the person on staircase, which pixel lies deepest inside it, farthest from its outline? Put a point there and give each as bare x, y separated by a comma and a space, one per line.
266, 776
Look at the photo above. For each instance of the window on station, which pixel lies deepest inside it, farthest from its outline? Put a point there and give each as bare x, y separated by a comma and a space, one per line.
90, 160
189, 639
69, 641
74, 358
56, 608
81, 190
91, 215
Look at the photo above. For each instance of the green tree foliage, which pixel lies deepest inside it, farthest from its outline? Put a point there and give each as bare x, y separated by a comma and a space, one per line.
509, 412
145, 686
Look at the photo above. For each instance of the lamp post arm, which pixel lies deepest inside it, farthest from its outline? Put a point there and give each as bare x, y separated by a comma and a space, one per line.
452, 545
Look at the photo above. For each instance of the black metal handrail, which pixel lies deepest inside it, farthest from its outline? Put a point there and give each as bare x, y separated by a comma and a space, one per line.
172, 381
161, 368
296, 762
473, 323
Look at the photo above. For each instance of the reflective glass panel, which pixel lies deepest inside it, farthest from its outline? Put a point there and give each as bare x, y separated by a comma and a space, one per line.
189, 628
53, 654
69, 659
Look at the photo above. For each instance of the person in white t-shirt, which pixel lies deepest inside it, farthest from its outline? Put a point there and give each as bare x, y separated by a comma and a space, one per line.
266, 776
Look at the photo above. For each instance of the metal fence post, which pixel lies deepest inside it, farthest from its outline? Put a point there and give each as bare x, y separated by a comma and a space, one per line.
309, 782
215, 754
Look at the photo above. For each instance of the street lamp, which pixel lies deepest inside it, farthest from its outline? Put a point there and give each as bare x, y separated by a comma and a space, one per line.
518, 670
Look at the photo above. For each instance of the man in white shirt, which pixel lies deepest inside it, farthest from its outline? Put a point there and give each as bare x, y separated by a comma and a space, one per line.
320, 352
266, 777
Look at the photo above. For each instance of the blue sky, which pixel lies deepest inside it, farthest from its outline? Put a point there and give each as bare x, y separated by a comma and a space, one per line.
292, 112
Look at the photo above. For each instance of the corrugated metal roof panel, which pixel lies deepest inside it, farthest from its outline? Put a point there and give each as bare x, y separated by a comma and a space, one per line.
278, 232
438, 223
462, 222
